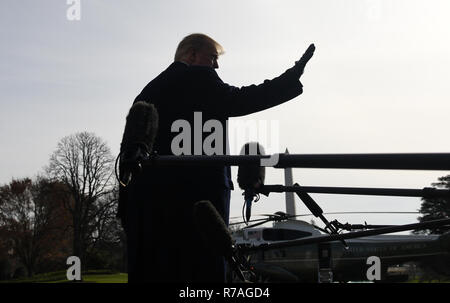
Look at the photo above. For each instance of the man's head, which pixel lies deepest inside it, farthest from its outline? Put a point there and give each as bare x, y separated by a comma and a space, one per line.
199, 49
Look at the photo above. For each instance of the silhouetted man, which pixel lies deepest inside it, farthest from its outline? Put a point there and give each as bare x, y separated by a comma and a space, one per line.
172, 249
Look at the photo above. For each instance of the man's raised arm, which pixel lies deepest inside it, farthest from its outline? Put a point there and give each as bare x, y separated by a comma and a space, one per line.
233, 101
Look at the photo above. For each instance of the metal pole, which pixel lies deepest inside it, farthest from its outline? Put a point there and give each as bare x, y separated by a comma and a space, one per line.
408, 161
427, 192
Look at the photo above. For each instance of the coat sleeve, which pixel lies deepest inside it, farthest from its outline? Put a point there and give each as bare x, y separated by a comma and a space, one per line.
233, 101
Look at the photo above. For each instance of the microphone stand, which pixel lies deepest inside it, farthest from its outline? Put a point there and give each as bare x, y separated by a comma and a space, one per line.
236, 265
315, 209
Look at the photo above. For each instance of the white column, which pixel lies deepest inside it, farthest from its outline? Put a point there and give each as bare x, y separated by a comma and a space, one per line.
290, 198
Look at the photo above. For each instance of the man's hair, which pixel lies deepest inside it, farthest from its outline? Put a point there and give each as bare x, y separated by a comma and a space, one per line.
196, 42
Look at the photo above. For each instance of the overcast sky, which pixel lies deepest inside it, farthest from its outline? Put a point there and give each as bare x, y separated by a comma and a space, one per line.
378, 82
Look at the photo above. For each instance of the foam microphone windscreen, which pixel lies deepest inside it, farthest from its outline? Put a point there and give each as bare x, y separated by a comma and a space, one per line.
251, 176
141, 126
213, 229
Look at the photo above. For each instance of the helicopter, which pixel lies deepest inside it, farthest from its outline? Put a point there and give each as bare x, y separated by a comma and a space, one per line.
332, 261
293, 250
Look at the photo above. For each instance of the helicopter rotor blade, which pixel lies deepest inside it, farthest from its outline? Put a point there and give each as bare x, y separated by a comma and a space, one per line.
363, 212
341, 212
242, 222
256, 224
275, 217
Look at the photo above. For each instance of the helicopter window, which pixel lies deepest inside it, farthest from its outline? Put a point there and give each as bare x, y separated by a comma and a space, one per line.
253, 234
280, 234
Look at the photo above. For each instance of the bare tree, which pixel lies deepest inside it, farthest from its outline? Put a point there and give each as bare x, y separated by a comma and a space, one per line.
106, 227
84, 163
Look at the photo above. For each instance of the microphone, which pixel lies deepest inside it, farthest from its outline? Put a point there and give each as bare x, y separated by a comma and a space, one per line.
138, 138
250, 177
213, 228
214, 232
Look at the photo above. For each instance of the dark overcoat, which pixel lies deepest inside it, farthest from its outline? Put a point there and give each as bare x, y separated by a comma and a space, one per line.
163, 241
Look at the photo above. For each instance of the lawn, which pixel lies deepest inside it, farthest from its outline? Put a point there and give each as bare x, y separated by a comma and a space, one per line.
91, 276
108, 278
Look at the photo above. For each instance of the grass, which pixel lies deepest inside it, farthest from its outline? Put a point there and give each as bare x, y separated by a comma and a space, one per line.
90, 276
429, 281
105, 276
108, 278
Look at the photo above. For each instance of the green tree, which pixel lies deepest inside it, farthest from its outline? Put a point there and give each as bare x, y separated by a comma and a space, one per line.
31, 220
436, 208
